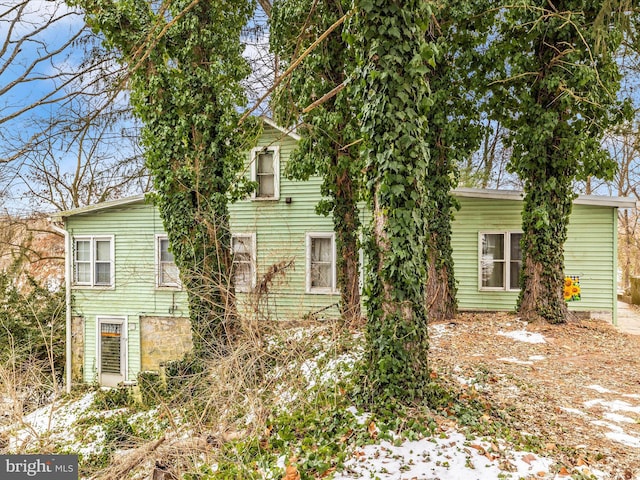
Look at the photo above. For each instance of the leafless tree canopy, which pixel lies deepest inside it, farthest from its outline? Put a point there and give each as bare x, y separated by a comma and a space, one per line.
67, 135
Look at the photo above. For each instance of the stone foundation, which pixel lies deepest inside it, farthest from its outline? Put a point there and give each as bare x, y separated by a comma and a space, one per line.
163, 339
77, 348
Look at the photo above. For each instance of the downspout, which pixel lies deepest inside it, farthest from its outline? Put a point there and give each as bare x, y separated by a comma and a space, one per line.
67, 295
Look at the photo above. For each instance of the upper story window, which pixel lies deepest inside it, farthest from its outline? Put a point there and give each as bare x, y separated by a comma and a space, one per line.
93, 261
321, 263
167, 271
244, 260
265, 170
500, 260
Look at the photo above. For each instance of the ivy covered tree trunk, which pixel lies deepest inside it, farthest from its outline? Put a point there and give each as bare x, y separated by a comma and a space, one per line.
392, 39
185, 68
328, 130
346, 224
545, 218
454, 135
556, 93
441, 284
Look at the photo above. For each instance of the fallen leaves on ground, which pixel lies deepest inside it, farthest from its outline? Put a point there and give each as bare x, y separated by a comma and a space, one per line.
579, 391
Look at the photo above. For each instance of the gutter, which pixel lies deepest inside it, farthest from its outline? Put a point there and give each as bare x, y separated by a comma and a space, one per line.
67, 294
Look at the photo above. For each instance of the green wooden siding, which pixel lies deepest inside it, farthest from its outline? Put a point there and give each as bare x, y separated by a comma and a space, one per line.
589, 252
134, 228
281, 229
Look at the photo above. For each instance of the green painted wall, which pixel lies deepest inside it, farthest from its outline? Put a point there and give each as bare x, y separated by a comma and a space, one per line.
281, 229
589, 252
133, 228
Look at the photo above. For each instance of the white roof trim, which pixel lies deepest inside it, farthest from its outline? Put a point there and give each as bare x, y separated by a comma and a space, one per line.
600, 200
286, 131
98, 206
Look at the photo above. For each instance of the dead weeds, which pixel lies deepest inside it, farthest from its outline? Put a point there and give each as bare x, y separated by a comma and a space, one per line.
578, 389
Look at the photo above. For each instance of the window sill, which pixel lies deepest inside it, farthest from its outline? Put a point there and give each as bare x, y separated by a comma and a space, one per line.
322, 291
93, 287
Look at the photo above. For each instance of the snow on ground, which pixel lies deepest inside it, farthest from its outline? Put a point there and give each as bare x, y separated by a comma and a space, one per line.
524, 336
452, 456
54, 420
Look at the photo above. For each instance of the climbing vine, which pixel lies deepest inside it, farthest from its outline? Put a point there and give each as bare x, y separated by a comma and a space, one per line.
394, 63
185, 67
556, 92
458, 29
329, 131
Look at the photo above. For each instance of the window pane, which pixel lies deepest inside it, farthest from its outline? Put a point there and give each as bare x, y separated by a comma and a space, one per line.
103, 250
83, 250
242, 275
321, 275
514, 275
492, 274
241, 245
265, 163
516, 251
321, 250
165, 254
103, 274
110, 343
83, 272
493, 246
266, 186
169, 274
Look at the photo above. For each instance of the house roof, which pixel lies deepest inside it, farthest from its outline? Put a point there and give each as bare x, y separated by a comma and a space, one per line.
286, 131
598, 200
120, 202
603, 201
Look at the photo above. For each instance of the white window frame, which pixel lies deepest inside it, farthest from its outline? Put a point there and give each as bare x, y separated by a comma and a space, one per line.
321, 290
159, 284
92, 261
275, 149
252, 243
124, 321
506, 277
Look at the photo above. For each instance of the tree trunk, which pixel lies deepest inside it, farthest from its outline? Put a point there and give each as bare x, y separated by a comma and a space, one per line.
544, 222
347, 226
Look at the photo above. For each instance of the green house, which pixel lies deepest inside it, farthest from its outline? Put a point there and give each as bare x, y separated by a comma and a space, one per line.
128, 313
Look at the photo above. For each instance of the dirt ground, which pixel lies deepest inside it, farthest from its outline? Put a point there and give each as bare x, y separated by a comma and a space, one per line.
578, 388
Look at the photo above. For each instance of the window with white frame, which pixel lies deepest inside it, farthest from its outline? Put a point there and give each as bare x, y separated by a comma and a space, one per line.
321, 263
265, 171
167, 271
244, 260
500, 260
93, 261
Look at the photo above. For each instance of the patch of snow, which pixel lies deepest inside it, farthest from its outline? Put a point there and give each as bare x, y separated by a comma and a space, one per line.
54, 420
537, 357
515, 360
438, 330
573, 410
625, 439
616, 417
599, 389
361, 418
524, 336
611, 426
449, 456
631, 395
614, 405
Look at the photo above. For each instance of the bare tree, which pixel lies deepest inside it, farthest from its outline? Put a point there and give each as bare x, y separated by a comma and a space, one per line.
67, 136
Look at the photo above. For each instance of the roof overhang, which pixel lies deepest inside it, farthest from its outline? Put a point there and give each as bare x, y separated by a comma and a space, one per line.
598, 200
121, 202
287, 131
